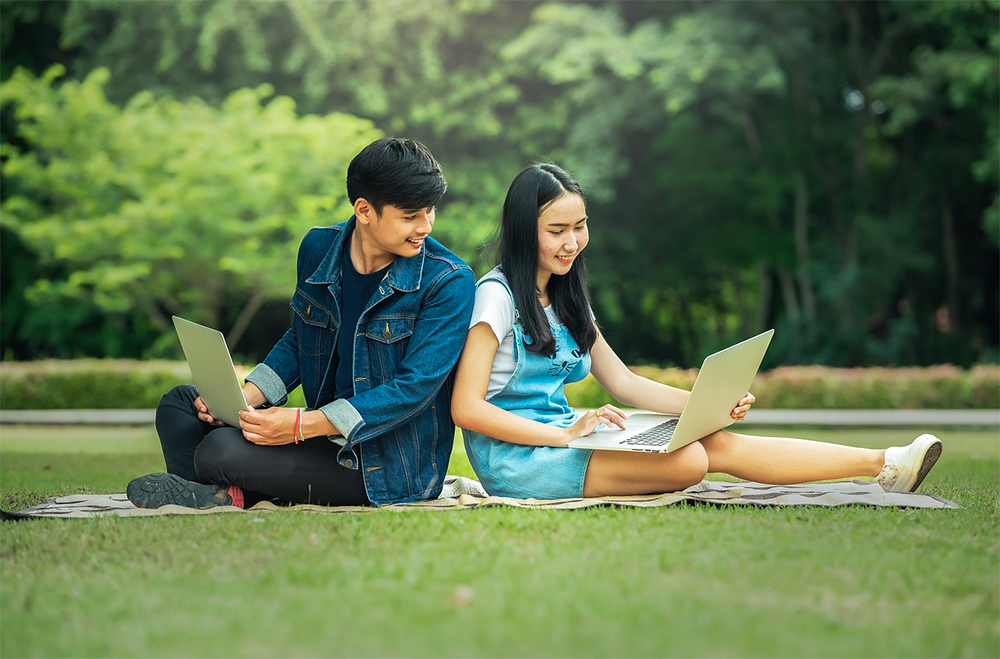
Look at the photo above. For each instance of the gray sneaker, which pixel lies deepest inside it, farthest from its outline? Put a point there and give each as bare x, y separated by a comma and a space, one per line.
155, 490
907, 466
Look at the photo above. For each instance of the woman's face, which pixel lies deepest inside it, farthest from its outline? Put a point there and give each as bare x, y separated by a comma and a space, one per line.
562, 233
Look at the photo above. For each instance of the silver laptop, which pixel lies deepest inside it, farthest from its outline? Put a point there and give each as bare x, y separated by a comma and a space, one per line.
212, 367
725, 377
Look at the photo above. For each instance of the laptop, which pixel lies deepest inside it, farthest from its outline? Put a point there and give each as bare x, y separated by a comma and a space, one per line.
725, 377
212, 367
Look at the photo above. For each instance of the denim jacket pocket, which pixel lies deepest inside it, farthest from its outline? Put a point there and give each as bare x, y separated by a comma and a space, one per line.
312, 324
388, 337
389, 329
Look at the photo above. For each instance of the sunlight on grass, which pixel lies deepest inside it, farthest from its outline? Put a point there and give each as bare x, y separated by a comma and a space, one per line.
697, 581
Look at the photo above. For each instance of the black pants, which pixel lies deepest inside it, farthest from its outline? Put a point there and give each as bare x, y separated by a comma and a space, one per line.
307, 472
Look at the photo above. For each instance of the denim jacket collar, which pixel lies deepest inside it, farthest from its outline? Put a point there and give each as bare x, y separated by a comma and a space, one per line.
404, 273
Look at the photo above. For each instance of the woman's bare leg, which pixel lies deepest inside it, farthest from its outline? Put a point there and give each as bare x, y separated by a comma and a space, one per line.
783, 461
620, 473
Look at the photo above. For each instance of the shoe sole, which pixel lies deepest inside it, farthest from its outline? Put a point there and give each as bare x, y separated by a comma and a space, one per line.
156, 490
930, 457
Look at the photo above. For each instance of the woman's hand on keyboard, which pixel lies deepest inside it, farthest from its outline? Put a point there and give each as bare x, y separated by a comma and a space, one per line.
608, 415
740, 411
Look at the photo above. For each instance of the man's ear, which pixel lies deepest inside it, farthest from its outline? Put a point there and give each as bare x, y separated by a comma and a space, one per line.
364, 211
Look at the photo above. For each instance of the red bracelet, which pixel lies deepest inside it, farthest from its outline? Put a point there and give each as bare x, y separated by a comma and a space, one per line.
298, 423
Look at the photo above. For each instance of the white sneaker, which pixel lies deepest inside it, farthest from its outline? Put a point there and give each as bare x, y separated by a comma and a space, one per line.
906, 466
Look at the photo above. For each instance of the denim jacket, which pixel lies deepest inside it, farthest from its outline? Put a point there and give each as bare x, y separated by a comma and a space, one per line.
406, 344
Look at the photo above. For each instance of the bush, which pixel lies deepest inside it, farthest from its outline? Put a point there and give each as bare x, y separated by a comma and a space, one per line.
133, 210
95, 384
110, 384
821, 387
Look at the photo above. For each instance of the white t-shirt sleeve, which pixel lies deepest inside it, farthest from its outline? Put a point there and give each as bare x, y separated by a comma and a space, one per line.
494, 307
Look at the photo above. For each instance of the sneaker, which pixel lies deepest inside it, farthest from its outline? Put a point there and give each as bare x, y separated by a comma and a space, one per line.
906, 466
155, 490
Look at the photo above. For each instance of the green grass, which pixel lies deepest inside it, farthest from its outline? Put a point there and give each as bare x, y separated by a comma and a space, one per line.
674, 581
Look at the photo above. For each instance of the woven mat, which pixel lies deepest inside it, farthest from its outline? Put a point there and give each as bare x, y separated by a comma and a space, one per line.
461, 493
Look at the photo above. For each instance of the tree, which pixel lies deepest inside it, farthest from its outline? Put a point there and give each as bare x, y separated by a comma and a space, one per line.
826, 168
778, 147
165, 207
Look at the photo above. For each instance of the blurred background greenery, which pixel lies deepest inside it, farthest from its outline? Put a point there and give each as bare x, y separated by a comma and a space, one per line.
830, 169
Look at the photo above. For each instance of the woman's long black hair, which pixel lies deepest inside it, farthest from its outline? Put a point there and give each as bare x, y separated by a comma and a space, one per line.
517, 255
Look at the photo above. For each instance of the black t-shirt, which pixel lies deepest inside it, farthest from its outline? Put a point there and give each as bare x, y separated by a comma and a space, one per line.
356, 290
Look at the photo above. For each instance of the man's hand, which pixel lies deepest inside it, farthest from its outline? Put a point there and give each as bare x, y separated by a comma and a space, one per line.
253, 395
273, 426
740, 411
204, 414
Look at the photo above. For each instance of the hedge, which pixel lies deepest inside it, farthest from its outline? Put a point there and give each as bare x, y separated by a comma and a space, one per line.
110, 384
94, 384
820, 387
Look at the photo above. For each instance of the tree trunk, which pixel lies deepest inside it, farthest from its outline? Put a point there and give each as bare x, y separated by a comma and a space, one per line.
246, 315
154, 315
764, 295
802, 248
950, 259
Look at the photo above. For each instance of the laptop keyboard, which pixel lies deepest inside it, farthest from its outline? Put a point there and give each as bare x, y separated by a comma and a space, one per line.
656, 436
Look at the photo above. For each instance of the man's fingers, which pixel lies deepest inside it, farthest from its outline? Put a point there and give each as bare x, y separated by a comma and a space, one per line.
252, 417
257, 438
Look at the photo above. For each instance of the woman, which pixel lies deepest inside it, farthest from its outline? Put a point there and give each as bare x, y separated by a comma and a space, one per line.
532, 331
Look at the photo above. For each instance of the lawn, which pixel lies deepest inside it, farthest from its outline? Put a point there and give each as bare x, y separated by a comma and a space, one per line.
677, 581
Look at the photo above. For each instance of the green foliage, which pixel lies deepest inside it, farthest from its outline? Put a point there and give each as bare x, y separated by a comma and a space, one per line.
828, 169
757, 173
818, 387
165, 207
129, 384
97, 384
88, 384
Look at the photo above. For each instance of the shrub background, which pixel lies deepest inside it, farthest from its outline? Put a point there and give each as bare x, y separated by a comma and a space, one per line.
131, 384
820, 387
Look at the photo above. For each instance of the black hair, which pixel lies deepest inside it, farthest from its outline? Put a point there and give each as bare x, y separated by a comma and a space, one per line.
396, 171
517, 254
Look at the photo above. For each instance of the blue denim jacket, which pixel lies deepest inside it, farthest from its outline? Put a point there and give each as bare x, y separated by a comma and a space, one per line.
406, 344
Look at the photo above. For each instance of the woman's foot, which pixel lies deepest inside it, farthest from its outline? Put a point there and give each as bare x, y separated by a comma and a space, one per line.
906, 466
155, 490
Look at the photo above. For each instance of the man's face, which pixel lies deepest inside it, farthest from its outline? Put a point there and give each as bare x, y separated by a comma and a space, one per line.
397, 230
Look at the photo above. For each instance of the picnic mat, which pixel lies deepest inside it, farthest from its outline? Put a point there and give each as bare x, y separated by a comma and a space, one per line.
460, 493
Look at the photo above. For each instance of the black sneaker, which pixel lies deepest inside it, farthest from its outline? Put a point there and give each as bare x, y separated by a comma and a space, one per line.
155, 490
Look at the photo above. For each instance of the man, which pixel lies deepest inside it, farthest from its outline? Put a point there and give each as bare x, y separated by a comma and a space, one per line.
380, 312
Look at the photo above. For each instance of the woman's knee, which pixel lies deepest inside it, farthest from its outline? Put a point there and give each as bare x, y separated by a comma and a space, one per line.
689, 465
719, 441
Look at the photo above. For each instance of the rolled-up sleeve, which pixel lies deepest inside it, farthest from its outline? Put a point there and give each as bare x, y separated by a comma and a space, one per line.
269, 383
